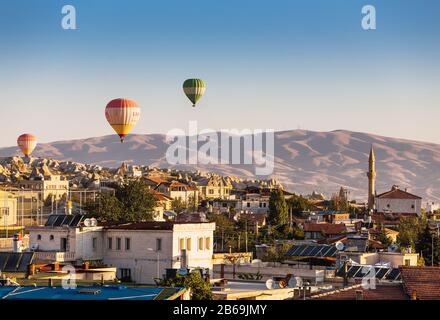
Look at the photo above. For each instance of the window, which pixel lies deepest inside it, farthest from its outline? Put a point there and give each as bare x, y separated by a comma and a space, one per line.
158, 244
51, 237
407, 262
200, 244
248, 204
188, 244
110, 243
412, 206
39, 237
94, 243
127, 244
118, 243
388, 205
181, 244
211, 191
208, 243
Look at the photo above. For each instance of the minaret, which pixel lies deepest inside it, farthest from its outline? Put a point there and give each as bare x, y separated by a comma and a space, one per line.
371, 174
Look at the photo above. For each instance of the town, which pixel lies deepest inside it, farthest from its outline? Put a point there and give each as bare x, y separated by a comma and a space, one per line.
198, 235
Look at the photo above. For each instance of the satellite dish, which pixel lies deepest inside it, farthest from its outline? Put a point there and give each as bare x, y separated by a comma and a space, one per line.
270, 284
93, 222
340, 246
295, 282
393, 248
87, 222
34, 247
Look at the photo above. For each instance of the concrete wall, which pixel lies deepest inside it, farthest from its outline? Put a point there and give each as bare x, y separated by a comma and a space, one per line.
399, 205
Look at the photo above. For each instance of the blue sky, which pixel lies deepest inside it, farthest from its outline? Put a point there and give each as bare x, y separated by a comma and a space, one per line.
269, 64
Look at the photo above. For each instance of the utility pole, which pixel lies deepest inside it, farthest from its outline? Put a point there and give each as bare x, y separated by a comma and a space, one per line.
246, 233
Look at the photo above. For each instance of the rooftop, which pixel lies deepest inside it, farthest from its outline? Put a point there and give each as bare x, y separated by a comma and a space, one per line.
89, 293
424, 282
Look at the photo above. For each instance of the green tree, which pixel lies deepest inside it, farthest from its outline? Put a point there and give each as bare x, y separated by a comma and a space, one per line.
298, 204
383, 237
132, 202
409, 230
178, 205
200, 289
278, 211
424, 246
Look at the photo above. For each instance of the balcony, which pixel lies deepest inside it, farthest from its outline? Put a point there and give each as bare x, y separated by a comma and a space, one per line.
54, 256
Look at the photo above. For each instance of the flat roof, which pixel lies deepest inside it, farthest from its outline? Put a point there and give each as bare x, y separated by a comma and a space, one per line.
89, 293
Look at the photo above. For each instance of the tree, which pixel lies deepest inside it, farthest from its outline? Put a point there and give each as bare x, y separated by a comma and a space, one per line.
298, 204
278, 211
178, 205
383, 237
200, 289
132, 202
409, 230
424, 245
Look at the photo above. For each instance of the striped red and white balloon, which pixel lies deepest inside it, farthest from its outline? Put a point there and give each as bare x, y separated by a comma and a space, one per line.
122, 114
27, 143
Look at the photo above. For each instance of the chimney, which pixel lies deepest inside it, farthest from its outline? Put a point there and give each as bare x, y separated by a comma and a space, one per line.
359, 295
414, 295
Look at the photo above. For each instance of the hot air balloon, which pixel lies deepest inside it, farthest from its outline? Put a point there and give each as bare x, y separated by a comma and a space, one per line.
122, 114
194, 89
27, 143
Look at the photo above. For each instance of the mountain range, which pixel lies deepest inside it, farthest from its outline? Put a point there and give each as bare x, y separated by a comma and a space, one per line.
305, 161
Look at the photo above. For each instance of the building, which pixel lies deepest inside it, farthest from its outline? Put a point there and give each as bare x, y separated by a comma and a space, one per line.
397, 201
371, 174
50, 186
318, 231
141, 252
432, 207
178, 190
163, 204
214, 187
8, 209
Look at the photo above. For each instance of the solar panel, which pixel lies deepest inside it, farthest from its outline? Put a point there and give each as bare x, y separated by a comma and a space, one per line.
307, 251
315, 250
381, 272
50, 221
26, 260
331, 252
365, 271
393, 275
3, 260
58, 222
353, 270
67, 219
76, 220
324, 251
13, 262
297, 250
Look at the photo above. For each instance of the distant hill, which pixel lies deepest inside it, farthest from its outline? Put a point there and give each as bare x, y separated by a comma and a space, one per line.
304, 160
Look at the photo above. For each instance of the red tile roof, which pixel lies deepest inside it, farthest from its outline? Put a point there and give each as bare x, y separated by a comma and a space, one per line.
325, 228
381, 292
423, 282
397, 194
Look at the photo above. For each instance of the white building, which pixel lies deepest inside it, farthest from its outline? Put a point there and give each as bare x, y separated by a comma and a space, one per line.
140, 251
255, 203
8, 209
398, 201
55, 186
431, 207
